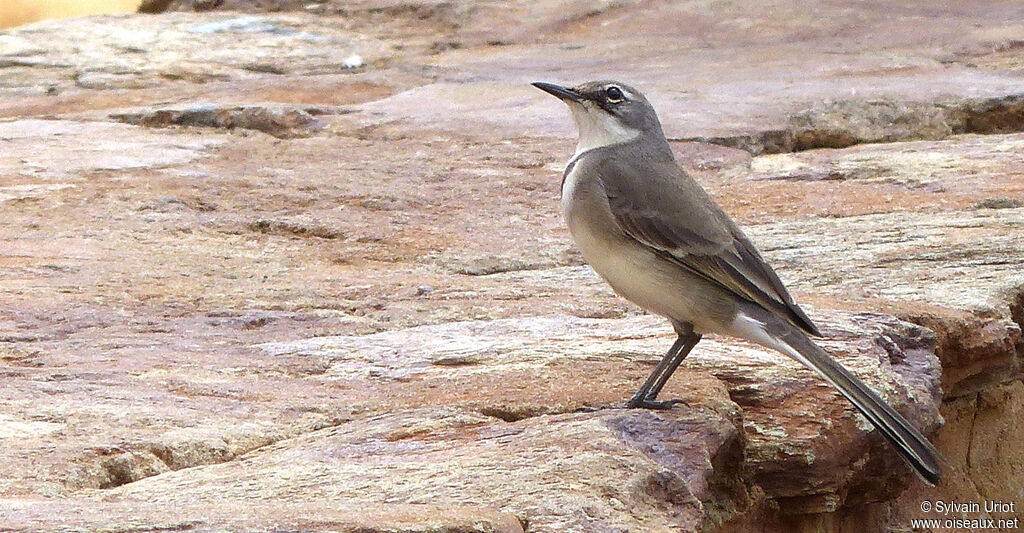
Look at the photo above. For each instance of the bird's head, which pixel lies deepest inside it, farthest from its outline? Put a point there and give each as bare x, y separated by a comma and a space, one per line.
606, 112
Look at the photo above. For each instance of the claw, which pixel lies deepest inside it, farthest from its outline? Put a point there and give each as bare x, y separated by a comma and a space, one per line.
654, 404
634, 403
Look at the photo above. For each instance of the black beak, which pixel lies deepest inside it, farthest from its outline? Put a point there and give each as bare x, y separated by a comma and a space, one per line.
562, 93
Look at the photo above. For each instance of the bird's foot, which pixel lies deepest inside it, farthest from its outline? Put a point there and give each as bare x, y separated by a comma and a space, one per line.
650, 403
636, 403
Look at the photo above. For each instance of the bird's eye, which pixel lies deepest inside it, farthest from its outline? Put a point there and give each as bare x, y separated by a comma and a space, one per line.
614, 94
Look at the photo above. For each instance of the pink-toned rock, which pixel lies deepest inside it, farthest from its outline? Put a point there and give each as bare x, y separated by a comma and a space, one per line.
319, 515
382, 325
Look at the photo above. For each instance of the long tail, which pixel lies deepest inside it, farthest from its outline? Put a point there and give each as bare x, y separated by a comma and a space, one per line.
912, 446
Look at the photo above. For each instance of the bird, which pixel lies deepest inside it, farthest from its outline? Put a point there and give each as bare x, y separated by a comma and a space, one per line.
656, 236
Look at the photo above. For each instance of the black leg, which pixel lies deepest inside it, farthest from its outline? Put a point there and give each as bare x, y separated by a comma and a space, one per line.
691, 341
642, 393
646, 396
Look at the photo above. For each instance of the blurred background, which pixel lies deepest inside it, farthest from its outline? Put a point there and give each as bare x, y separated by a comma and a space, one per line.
17, 12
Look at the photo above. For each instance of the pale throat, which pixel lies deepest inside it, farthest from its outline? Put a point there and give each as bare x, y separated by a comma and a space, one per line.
597, 128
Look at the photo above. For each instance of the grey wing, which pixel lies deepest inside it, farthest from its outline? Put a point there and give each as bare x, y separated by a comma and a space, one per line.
664, 209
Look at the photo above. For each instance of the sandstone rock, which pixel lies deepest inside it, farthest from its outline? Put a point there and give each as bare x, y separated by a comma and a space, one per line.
281, 122
154, 6
319, 515
37, 150
112, 53
227, 331
845, 123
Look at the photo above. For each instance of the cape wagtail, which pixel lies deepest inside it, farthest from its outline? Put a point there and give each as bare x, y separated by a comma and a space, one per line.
661, 242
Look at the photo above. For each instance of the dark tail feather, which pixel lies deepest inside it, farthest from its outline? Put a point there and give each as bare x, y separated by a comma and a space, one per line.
912, 446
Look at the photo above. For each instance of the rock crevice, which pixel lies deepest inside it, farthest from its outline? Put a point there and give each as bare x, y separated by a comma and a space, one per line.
304, 267
845, 123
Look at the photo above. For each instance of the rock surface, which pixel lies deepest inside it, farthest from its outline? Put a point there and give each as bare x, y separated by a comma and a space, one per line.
247, 287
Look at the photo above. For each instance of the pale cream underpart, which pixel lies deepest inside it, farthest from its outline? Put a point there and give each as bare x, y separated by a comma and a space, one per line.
754, 330
636, 272
620, 263
632, 270
597, 127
